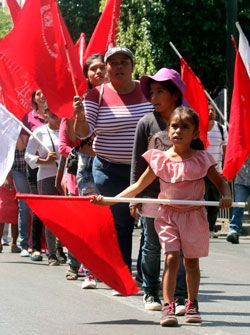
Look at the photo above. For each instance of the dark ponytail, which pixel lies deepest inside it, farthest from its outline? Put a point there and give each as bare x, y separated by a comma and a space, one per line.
197, 144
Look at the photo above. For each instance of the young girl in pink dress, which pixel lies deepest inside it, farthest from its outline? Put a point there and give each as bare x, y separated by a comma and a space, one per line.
181, 170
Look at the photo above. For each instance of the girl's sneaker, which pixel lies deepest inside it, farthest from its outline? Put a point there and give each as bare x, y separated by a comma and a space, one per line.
89, 282
192, 314
168, 318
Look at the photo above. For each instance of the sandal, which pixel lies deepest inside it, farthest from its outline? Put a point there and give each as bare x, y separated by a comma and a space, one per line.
71, 274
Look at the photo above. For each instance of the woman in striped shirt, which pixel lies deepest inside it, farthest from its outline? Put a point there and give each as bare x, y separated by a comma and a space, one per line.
113, 119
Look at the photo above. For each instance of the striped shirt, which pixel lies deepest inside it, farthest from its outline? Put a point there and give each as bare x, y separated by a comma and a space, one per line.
114, 121
216, 144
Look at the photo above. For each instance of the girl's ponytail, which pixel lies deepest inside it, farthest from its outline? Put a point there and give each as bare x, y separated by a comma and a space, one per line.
197, 144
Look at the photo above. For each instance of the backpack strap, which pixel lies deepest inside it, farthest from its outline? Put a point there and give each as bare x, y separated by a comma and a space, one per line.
221, 130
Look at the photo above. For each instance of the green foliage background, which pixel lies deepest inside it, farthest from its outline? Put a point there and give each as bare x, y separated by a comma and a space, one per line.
196, 27
5, 22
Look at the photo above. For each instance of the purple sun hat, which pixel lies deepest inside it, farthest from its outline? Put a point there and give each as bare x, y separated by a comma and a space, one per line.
162, 75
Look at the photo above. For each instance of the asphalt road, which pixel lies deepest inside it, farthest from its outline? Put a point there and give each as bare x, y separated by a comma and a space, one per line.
37, 299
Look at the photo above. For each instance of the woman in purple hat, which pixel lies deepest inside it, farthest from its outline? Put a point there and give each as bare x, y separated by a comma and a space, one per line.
165, 91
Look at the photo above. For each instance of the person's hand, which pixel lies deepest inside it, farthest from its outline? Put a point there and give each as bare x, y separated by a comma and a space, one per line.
7, 184
98, 200
78, 108
225, 202
135, 210
51, 157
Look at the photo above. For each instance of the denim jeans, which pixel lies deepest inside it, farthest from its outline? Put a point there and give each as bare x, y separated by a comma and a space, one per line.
22, 186
47, 186
151, 262
241, 193
110, 179
37, 225
151, 257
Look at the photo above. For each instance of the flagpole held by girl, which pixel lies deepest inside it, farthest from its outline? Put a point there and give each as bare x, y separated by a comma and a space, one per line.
181, 171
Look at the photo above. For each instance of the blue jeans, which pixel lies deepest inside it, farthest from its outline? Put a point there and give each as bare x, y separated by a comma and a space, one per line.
151, 263
110, 179
241, 193
22, 186
47, 186
151, 257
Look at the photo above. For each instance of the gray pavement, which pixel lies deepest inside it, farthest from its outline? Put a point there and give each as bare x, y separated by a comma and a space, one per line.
37, 299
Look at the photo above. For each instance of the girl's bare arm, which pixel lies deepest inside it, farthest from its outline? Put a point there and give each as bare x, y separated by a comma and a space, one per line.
131, 191
222, 186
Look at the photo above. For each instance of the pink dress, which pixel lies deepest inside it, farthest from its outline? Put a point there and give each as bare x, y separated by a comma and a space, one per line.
8, 205
182, 226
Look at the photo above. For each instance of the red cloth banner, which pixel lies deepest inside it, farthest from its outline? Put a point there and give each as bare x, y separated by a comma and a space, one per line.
105, 31
196, 97
14, 9
38, 43
238, 146
81, 47
88, 231
16, 86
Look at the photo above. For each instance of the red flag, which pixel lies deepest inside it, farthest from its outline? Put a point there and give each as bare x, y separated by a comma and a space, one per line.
14, 9
81, 47
88, 231
196, 97
238, 147
16, 87
37, 44
105, 31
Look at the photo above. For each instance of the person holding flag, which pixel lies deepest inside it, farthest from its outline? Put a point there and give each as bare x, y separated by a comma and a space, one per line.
241, 193
114, 121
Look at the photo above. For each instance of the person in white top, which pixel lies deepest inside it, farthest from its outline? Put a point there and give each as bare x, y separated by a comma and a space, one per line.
217, 137
37, 156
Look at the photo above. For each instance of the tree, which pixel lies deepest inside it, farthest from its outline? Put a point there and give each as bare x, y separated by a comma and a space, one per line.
80, 16
196, 27
5, 22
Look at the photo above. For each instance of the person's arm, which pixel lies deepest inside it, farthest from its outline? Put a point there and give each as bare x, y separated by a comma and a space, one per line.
131, 191
86, 113
81, 126
222, 186
32, 156
22, 142
65, 145
138, 164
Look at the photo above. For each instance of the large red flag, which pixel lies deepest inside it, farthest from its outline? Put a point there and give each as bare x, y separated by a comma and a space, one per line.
196, 97
238, 146
16, 86
37, 43
81, 47
88, 231
105, 31
14, 9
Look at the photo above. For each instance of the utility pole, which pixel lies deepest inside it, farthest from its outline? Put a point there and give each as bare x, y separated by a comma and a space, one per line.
231, 19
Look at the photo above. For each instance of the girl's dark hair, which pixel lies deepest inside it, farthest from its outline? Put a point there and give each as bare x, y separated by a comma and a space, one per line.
33, 95
88, 63
189, 113
171, 88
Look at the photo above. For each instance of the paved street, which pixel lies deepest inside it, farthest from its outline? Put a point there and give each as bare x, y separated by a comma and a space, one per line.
36, 299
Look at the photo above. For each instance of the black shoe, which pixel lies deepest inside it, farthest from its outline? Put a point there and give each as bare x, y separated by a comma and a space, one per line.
233, 238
